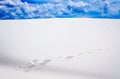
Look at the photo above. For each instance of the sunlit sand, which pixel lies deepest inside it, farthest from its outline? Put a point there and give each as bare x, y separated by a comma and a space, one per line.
60, 49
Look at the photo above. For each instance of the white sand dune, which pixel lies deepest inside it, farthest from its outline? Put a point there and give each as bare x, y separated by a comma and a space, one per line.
77, 48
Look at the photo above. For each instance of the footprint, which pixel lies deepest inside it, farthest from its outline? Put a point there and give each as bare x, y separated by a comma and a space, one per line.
69, 57
59, 57
47, 60
79, 54
90, 52
28, 67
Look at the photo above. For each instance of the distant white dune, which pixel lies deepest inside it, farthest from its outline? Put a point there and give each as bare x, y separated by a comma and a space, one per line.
76, 48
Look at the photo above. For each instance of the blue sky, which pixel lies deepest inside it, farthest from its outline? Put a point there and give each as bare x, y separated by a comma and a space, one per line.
32, 9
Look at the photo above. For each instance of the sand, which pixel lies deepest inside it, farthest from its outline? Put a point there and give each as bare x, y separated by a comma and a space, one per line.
79, 48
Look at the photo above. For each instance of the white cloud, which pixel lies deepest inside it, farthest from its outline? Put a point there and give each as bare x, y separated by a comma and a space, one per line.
26, 10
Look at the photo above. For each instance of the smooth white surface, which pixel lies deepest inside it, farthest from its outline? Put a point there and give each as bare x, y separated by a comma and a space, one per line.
97, 40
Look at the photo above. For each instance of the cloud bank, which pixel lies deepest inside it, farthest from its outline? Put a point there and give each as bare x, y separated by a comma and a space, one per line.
32, 9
